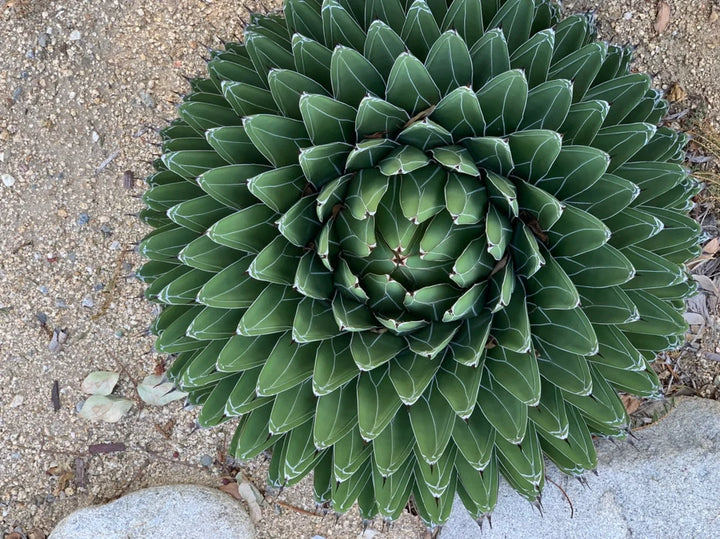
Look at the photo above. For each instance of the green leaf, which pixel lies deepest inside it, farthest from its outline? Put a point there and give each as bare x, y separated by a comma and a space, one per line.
190, 164
550, 287
252, 438
576, 232
522, 464
292, 408
228, 184
420, 29
459, 384
511, 326
353, 76
403, 160
203, 116
465, 199
449, 62
657, 317
299, 224
432, 421
464, 16
279, 188
459, 113
526, 251
569, 372
498, 231
327, 120
534, 151
623, 94
514, 18
213, 324
421, 193
605, 266
548, 105
331, 197
574, 454
443, 241
377, 402
477, 491
314, 321
286, 87
570, 329
312, 59
340, 27
412, 374
166, 244
244, 353
502, 101
368, 154
272, 312
233, 145
288, 365
336, 414
581, 67
332, 369
393, 446
351, 315
383, 44
490, 57
491, 153
550, 415
410, 86
370, 349
474, 264
279, 139
247, 99
203, 253
376, 117
505, 412
304, 18
247, 230
503, 194
299, 456
266, 53
622, 141
534, 57
349, 454
183, 289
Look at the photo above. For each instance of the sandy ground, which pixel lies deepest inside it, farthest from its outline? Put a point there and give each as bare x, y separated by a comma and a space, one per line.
81, 85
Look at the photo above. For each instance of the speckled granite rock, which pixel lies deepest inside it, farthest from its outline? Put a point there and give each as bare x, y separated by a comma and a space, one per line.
665, 484
177, 511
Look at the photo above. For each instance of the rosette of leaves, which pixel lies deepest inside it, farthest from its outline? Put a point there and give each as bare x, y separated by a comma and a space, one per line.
418, 245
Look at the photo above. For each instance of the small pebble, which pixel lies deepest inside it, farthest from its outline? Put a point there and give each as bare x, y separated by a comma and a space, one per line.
98, 287
119, 333
43, 289
41, 317
61, 303
71, 256
7, 180
95, 136
147, 100
75, 35
206, 460
88, 302
115, 246
83, 219
43, 39
627, 15
79, 406
106, 230
17, 92
17, 401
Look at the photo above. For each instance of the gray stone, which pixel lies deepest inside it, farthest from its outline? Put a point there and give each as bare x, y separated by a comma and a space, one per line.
666, 483
161, 512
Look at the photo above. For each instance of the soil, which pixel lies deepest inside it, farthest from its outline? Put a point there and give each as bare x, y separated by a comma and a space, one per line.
82, 85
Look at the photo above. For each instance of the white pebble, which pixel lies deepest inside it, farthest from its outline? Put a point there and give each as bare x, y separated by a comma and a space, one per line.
75, 35
627, 15
17, 401
8, 180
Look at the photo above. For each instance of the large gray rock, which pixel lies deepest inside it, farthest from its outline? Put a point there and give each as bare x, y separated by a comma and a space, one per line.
665, 484
176, 512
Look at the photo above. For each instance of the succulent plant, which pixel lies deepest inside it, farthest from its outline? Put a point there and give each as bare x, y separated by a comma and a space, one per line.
418, 245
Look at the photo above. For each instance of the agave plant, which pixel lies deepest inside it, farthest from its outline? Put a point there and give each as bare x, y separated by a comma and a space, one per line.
417, 245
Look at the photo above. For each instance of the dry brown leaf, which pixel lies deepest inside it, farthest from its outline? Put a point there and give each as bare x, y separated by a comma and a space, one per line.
712, 247
663, 17
232, 489
631, 403
676, 93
